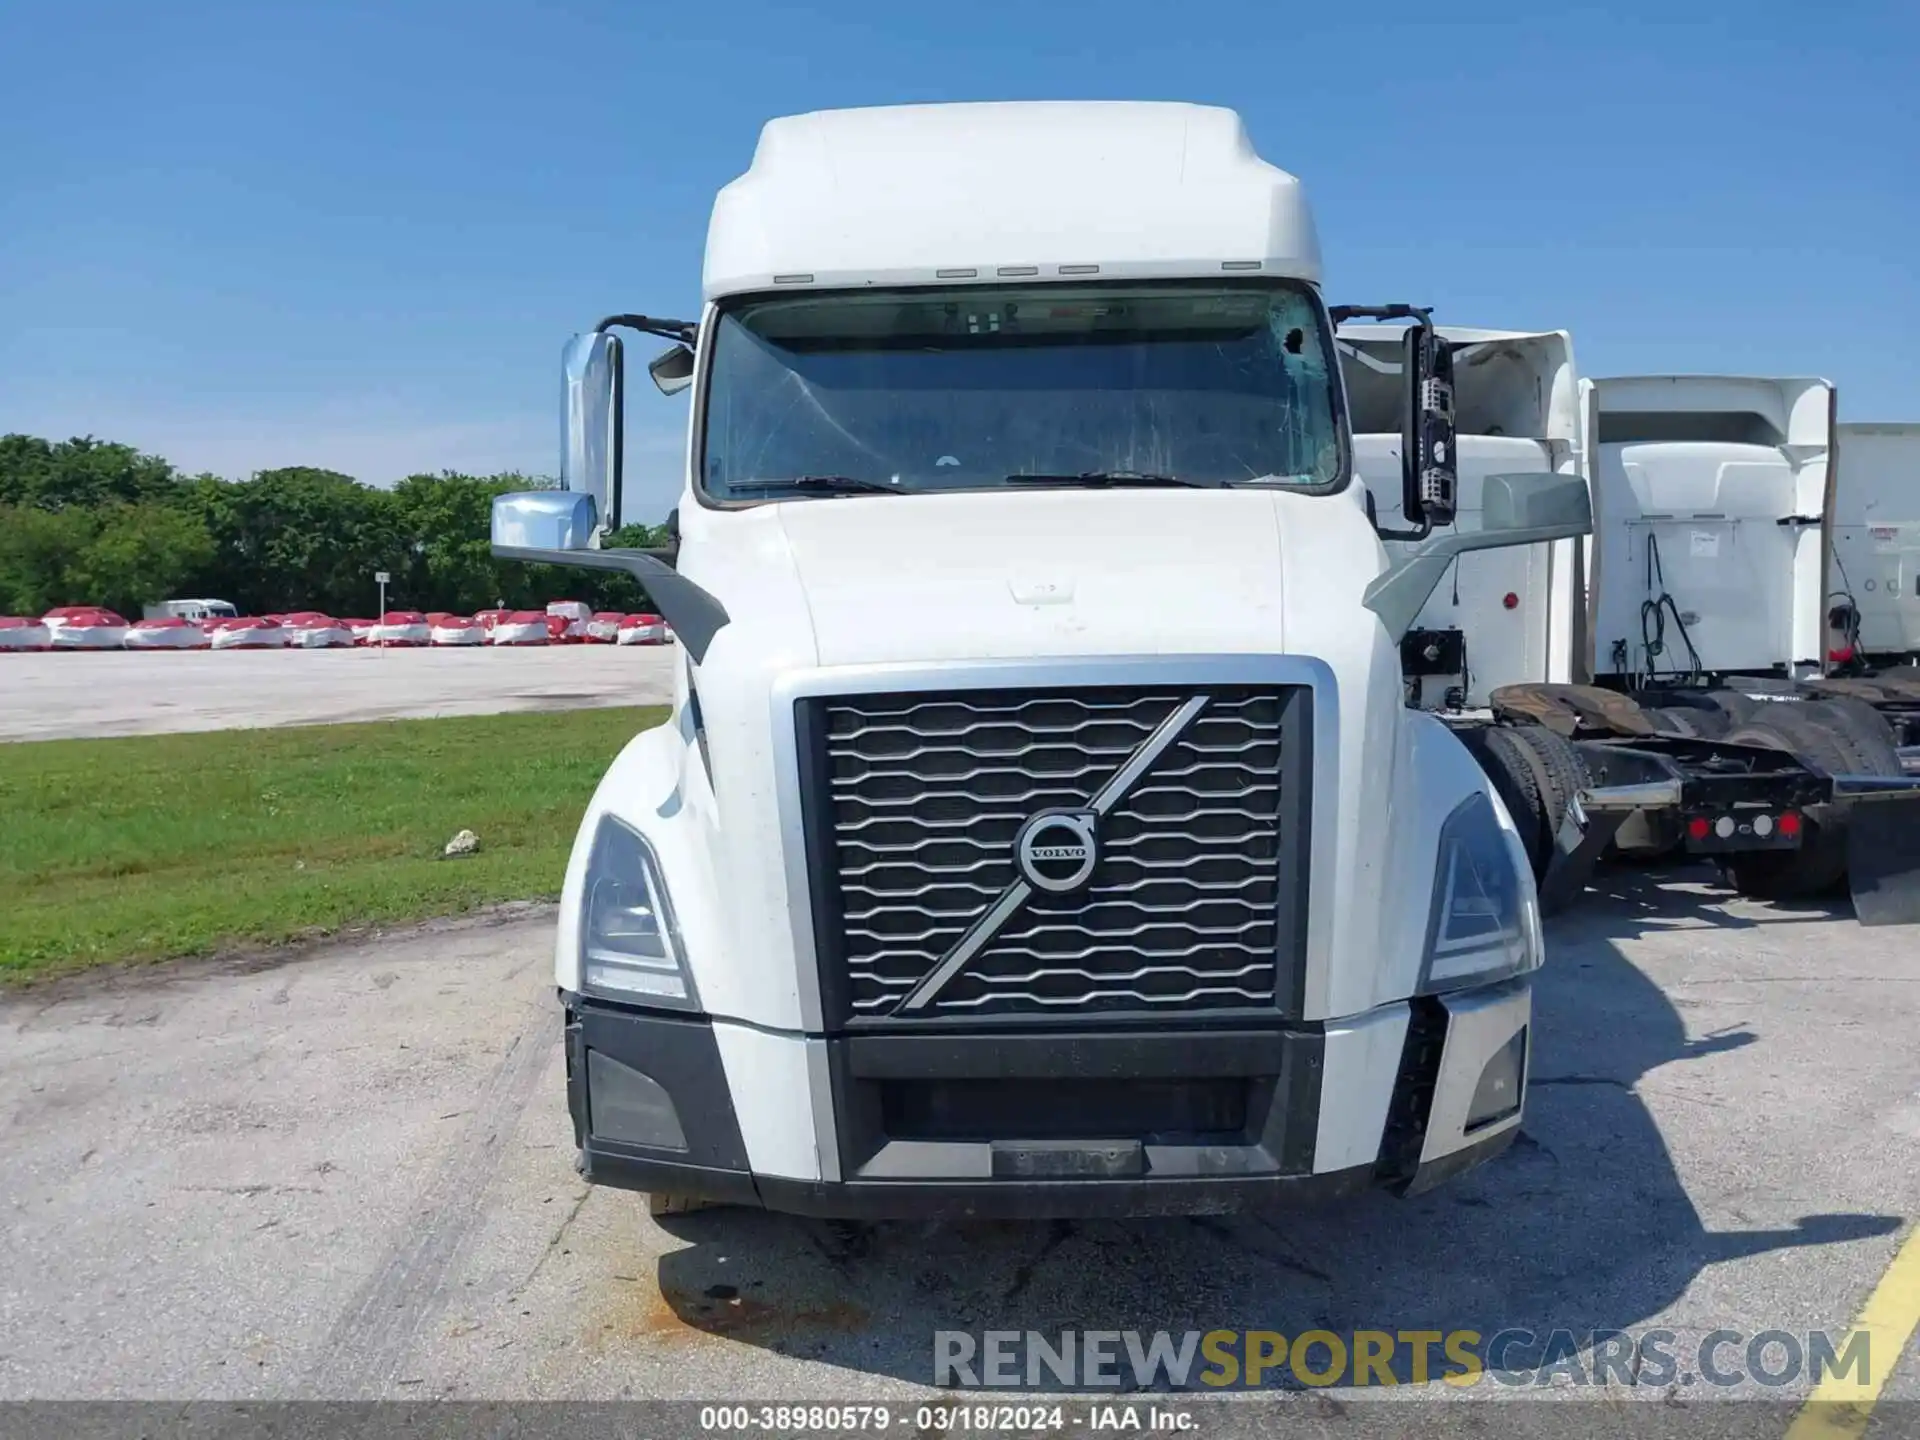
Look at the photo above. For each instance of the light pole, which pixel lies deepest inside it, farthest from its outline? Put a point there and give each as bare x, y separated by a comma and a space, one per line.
382, 577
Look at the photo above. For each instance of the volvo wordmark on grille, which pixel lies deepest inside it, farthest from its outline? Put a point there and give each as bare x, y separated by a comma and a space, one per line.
1039, 828
1058, 850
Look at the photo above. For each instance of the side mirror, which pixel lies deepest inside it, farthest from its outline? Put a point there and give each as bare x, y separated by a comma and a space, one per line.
591, 421
1429, 481
544, 520
672, 370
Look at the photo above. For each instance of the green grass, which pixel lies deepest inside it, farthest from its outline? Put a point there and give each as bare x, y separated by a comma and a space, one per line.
171, 845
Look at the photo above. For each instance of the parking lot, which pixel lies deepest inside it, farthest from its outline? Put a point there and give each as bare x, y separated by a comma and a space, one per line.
347, 1173
70, 694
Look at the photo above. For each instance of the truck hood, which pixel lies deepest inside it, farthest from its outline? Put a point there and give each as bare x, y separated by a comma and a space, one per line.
1070, 572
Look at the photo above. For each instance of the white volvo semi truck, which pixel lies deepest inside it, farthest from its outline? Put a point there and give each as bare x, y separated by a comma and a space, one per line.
1660, 688
1039, 829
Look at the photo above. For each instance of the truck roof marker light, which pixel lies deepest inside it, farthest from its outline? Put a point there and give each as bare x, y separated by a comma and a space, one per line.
1079, 269
968, 274
1790, 824
1510, 600
1018, 270
793, 279
1698, 828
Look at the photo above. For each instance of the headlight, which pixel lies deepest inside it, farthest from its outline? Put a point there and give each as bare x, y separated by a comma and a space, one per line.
1485, 921
629, 942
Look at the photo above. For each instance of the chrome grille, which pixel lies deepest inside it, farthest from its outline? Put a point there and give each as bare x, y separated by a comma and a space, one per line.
919, 799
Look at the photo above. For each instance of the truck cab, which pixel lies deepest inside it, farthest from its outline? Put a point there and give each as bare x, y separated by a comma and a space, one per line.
1038, 829
1873, 571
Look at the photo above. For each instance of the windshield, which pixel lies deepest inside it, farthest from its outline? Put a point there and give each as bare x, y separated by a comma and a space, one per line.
989, 387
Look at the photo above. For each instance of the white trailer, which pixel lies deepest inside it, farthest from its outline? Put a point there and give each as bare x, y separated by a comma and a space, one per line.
1499, 617
1039, 829
1873, 578
193, 610
1693, 717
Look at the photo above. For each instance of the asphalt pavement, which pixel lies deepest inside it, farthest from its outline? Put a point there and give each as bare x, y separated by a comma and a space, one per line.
346, 1173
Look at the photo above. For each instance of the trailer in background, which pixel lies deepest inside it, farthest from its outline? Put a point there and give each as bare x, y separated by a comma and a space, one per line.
1872, 599
1656, 689
192, 610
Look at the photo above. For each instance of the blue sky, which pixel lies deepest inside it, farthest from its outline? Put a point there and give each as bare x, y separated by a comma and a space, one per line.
356, 234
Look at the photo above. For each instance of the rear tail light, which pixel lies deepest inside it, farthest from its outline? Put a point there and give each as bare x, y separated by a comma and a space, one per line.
1790, 824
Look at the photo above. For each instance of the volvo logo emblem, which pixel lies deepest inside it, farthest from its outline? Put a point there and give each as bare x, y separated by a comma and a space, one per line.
1056, 850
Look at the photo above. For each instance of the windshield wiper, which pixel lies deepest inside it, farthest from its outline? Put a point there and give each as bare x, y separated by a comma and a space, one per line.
1108, 477
825, 484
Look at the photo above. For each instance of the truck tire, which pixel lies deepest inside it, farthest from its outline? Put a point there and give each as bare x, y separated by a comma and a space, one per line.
1820, 864
1516, 781
1562, 775
1536, 772
1737, 708
1866, 736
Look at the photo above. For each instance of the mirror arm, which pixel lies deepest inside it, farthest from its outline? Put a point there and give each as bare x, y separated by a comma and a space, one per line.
616, 493
695, 615
1340, 314
1421, 532
1398, 596
685, 331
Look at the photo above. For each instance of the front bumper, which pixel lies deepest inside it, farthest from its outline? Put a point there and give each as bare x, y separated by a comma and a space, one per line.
1031, 1125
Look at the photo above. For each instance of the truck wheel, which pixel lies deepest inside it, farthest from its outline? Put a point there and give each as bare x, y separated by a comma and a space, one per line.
1537, 772
1561, 775
1737, 708
660, 1205
1820, 864
1516, 782
1863, 731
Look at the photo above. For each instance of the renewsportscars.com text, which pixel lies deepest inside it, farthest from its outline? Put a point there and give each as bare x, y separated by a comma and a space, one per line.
1253, 1359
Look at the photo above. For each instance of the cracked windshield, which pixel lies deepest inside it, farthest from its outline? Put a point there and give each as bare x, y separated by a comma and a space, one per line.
976, 388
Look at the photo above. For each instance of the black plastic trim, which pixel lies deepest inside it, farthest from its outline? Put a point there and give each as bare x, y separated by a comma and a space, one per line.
695, 615
1006, 1199
824, 900
1411, 1108
1438, 1172
1281, 1068
677, 1053
1202, 1055
1294, 824
682, 1056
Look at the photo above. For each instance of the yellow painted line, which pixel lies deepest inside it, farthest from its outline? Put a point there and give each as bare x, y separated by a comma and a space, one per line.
1840, 1405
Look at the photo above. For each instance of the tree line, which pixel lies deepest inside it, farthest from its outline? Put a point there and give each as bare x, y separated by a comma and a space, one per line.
88, 522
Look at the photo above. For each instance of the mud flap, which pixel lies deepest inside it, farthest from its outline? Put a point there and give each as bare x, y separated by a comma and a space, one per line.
1593, 818
1883, 858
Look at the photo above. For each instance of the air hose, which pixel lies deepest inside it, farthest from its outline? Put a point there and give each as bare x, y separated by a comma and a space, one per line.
1654, 613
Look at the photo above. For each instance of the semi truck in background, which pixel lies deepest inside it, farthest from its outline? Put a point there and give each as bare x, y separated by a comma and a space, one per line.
1039, 829
1873, 573
1659, 687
